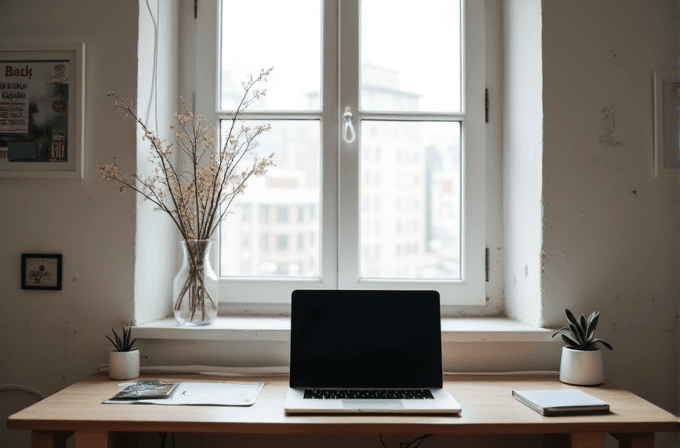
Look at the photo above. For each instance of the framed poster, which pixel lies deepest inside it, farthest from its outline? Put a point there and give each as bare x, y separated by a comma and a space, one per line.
42, 101
667, 123
41, 271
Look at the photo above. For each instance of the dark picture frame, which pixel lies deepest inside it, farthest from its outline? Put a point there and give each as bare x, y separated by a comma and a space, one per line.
41, 271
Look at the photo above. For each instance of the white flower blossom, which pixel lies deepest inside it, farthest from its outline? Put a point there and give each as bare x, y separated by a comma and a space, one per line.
196, 199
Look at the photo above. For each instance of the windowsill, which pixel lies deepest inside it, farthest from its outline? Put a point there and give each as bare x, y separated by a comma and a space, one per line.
277, 328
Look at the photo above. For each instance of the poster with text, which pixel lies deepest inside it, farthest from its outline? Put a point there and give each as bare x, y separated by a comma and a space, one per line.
34, 111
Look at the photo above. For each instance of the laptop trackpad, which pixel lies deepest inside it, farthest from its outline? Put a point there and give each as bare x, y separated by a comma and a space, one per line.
376, 404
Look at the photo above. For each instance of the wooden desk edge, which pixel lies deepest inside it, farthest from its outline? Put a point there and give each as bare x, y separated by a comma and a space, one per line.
367, 427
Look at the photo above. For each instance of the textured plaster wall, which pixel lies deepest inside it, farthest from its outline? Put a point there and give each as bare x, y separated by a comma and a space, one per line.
522, 157
157, 239
609, 225
50, 339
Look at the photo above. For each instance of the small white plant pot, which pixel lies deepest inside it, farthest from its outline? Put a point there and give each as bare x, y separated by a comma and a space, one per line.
123, 365
581, 367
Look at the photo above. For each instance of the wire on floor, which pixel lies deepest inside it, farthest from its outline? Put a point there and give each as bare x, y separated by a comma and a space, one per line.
415, 443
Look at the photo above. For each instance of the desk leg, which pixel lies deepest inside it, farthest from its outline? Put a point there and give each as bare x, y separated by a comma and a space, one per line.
640, 440
94, 439
587, 439
49, 439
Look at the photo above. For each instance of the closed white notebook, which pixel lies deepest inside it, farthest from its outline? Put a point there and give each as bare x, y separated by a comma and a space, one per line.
561, 402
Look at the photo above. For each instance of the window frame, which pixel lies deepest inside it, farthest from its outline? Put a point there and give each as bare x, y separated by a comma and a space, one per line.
471, 289
338, 201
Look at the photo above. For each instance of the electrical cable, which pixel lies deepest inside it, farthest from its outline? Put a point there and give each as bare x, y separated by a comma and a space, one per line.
154, 81
21, 388
212, 370
511, 373
410, 444
284, 370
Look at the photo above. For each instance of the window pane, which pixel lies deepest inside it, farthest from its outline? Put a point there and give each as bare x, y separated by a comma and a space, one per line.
410, 55
259, 34
264, 212
412, 194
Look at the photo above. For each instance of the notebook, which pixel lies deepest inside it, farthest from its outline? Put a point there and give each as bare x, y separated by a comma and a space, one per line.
561, 402
355, 351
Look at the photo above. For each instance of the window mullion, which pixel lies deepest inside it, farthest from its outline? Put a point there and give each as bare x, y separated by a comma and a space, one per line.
274, 115
329, 141
413, 116
348, 201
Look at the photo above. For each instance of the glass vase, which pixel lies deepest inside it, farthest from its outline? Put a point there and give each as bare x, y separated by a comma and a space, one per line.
195, 287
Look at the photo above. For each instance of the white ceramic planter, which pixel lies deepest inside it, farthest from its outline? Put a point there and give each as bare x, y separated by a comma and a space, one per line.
581, 367
123, 365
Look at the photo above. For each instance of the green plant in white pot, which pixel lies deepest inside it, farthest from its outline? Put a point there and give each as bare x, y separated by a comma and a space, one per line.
124, 360
581, 362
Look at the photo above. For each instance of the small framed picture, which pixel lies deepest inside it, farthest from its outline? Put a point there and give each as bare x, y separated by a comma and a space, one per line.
667, 123
41, 271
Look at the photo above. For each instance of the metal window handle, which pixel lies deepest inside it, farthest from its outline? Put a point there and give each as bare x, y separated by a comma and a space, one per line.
348, 133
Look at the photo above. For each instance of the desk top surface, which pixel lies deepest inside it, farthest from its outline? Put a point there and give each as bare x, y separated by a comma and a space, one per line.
487, 402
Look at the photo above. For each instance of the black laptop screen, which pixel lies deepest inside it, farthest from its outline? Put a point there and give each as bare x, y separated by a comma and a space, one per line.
365, 339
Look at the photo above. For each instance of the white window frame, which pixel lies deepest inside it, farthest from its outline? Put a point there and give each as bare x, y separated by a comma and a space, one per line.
339, 262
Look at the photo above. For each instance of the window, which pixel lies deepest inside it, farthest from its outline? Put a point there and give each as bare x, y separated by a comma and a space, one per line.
411, 88
245, 213
264, 214
282, 214
282, 243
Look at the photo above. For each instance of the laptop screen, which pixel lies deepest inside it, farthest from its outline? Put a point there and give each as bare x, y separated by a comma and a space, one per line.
365, 339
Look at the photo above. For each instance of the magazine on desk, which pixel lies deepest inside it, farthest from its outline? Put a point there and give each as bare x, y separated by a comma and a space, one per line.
145, 389
188, 393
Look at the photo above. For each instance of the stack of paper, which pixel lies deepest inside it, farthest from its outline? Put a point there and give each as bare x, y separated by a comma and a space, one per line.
204, 393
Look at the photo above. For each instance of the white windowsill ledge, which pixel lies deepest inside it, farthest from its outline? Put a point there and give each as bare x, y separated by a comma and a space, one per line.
277, 328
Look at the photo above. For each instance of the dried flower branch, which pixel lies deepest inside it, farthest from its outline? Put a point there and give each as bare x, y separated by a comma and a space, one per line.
197, 199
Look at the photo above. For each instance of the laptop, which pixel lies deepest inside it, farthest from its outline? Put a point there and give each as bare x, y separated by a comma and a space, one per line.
355, 351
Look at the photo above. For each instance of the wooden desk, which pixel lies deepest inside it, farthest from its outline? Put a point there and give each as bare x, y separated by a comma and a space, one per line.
488, 408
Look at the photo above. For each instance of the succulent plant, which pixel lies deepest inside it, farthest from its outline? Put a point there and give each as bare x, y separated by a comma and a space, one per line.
580, 335
122, 343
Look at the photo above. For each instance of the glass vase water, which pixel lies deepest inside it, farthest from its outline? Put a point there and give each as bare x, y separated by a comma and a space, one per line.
195, 295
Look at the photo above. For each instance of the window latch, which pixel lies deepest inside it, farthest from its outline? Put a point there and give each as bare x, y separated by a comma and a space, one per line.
348, 132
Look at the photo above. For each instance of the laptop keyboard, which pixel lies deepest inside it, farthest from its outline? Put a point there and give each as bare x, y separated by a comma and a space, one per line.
368, 394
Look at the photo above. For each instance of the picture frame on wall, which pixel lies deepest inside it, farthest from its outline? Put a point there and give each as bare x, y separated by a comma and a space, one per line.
667, 123
42, 110
41, 271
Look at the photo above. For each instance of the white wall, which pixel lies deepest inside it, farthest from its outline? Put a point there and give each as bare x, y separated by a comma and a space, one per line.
609, 229
157, 238
522, 158
609, 226
50, 339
